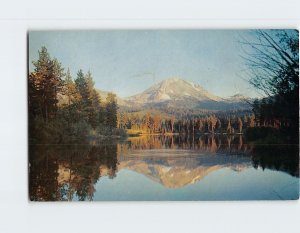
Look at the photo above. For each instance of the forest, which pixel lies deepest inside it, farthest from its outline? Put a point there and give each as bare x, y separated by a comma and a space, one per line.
148, 123
63, 108
273, 70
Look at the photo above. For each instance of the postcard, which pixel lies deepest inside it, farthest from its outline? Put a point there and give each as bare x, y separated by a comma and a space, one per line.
163, 115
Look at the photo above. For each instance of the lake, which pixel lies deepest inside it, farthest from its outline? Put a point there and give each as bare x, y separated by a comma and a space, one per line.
171, 168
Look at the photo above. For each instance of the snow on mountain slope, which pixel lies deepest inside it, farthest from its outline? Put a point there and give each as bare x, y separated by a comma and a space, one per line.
173, 89
179, 93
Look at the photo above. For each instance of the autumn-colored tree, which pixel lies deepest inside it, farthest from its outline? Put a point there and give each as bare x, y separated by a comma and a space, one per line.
172, 121
212, 121
146, 122
156, 123
200, 125
252, 121
240, 123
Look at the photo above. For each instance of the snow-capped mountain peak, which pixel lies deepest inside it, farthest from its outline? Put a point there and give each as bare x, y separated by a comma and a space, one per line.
174, 89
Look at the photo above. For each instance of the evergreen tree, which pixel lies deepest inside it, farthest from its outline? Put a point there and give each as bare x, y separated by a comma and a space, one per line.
81, 86
70, 90
46, 82
111, 110
92, 103
73, 98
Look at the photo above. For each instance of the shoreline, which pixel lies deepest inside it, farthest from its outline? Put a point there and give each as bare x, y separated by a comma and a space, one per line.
178, 134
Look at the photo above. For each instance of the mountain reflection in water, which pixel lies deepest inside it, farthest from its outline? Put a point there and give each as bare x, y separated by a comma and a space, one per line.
175, 163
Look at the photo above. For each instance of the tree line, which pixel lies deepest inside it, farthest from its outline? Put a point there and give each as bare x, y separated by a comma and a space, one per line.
62, 108
157, 123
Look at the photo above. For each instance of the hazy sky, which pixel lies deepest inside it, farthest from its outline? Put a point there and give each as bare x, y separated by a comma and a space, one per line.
128, 62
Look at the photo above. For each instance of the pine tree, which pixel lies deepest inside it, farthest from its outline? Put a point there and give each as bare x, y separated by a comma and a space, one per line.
73, 98
81, 86
92, 103
111, 110
47, 82
70, 90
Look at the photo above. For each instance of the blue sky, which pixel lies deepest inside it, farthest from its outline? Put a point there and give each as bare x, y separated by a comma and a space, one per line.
129, 61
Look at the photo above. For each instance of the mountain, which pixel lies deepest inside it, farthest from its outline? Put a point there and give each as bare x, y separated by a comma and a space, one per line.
236, 98
173, 89
178, 93
103, 95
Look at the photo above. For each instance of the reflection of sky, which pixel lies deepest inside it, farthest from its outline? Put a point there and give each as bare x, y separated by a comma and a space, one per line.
224, 184
128, 62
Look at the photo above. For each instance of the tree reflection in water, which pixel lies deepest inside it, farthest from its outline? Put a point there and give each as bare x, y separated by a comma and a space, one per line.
70, 172
62, 171
277, 157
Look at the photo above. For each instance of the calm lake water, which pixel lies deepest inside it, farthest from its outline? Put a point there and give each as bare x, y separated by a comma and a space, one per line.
164, 168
